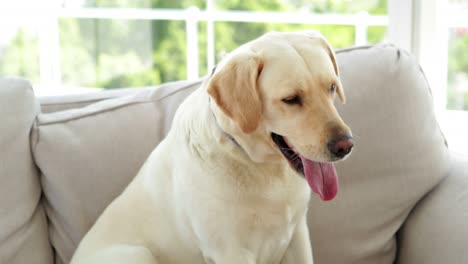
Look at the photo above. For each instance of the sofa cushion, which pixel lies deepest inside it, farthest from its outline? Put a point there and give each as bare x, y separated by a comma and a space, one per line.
400, 154
436, 231
88, 155
23, 225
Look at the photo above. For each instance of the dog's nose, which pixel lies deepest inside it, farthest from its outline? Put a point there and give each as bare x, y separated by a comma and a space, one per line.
341, 146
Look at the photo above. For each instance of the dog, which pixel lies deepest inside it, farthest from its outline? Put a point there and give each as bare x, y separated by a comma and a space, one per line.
232, 180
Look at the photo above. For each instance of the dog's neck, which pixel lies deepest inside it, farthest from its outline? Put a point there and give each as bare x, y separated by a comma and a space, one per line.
199, 124
233, 140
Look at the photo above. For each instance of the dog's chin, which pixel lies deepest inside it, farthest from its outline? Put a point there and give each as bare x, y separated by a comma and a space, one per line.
293, 158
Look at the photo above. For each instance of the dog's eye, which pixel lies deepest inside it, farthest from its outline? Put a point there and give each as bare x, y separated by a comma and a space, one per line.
333, 88
293, 100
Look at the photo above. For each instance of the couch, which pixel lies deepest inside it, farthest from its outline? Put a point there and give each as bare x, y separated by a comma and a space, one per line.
403, 194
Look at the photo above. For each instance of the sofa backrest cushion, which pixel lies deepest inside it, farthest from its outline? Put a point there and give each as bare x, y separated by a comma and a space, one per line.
23, 224
88, 155
400, 155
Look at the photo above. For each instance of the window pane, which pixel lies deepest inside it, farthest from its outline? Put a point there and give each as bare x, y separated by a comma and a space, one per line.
121, 53
19, 49
457, 97
318, 6
376, 34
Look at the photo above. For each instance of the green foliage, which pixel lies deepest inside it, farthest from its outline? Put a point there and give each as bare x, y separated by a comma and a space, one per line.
21, 57
139, 79
375, 34
457, 96
457, 51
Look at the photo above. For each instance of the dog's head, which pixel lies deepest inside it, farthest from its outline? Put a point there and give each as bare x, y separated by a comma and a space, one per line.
275, 96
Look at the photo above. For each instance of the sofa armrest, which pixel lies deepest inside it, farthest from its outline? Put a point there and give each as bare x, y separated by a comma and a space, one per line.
436, 231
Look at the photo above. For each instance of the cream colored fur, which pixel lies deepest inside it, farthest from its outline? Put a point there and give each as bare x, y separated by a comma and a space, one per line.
202, 198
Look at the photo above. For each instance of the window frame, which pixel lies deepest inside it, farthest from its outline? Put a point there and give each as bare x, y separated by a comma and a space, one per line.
431, 22
419, 26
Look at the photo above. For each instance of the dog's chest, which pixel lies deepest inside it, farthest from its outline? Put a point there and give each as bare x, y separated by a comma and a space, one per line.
230, 207
261, 228
268, 231
261, 220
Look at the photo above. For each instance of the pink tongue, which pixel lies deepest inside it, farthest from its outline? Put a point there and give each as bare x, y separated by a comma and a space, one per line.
321, 177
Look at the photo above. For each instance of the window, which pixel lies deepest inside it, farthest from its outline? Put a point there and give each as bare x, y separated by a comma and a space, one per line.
106, 44
83, 45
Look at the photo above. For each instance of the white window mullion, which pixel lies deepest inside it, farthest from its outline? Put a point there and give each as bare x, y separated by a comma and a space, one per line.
361, 28
49, 52
45, 64
55, 50
192, 43
210, 36
400, 23
430, 46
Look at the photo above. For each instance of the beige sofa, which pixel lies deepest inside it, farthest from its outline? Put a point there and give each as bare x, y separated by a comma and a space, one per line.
403, 196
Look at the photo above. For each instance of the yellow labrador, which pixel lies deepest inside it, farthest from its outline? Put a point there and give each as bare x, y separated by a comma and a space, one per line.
231, 182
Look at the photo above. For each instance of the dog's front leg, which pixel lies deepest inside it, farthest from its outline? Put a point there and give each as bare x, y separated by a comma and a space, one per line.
299, 249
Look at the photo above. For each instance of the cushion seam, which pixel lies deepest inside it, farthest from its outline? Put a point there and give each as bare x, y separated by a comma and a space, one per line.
364, 47
113, 96
79, 102
184, 88
64, 120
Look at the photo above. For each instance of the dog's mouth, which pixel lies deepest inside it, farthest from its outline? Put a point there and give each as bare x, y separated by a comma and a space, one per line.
293, 158
321, 176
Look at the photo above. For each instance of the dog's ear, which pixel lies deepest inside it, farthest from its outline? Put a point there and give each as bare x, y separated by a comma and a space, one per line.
339, 88
235, 90
331, 54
